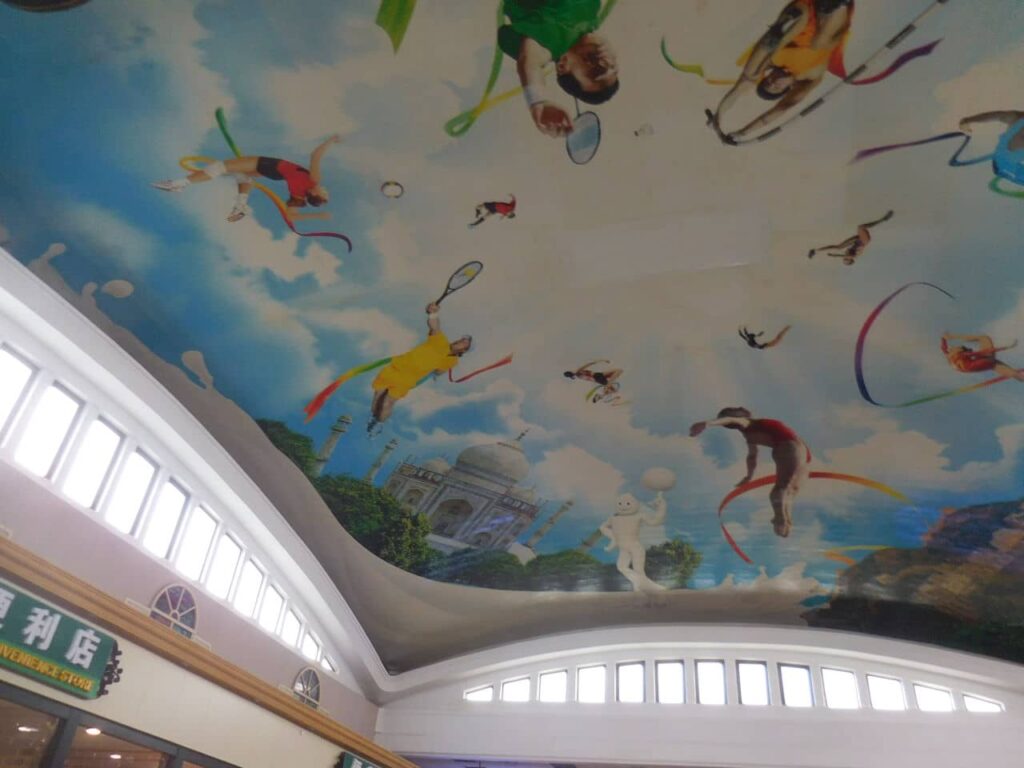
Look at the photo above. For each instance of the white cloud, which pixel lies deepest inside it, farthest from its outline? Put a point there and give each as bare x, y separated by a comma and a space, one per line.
570, 472
378, 333
990, 85
109, 235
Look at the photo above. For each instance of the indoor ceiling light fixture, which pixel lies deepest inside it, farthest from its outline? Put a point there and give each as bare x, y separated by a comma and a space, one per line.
115, 756
27, 729
93, 731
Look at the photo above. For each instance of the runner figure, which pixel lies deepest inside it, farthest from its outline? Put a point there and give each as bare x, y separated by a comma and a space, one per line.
404, 372
486, 210
304, 185
851, 247
608, 381
790, 454
564, 32
753, 339
983, 358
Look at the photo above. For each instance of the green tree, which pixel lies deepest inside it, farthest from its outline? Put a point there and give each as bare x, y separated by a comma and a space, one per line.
377, 521
572, 571
297, 447
672, 564
491, 568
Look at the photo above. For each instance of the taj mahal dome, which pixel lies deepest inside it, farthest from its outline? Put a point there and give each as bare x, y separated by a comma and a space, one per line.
479, 502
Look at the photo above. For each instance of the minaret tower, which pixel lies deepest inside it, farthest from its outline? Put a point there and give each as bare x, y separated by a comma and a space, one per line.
375, 467
541, 532
339, 428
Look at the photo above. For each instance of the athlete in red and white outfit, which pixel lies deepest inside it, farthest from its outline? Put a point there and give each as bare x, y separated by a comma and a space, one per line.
486, 210
967, 360
304, 187
791, 455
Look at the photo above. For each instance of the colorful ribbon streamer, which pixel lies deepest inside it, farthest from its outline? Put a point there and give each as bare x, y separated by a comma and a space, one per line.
462, 122
277, 201
691, 69
858, 358
770, 480
954, 160
314, 406
995, 187
393, 17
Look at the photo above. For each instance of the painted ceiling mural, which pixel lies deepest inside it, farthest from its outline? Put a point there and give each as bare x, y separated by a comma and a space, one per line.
682, 310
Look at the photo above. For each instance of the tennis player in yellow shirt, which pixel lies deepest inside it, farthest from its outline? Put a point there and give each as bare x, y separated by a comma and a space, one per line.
404, 372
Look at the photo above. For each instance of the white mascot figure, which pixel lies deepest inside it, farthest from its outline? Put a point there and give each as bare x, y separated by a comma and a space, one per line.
623, 528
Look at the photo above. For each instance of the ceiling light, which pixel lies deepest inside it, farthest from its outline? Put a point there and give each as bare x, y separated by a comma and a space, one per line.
27, 729
115, 756
93, 731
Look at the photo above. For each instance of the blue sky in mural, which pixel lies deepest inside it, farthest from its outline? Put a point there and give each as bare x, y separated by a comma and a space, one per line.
105, 100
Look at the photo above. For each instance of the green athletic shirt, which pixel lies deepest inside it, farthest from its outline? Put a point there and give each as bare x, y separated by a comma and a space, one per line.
554, 24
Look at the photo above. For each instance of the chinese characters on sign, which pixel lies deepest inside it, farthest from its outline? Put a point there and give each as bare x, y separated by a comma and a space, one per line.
42, 642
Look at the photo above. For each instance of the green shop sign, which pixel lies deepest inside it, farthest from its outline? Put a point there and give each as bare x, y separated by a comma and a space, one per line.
43, 642
348, 760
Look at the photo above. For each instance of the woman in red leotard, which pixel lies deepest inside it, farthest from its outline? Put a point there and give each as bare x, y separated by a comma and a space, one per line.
304, 187
790, 454
967, 360
486, 210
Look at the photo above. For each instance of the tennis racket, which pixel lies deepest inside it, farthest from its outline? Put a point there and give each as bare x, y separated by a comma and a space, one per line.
461, 277
582, 144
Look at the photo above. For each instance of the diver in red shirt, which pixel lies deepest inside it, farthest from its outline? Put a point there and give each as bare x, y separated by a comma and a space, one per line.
304, 186
790, 454
486, 210
967, 360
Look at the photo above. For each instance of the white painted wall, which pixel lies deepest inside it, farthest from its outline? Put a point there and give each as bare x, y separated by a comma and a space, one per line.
434, 720
163, 700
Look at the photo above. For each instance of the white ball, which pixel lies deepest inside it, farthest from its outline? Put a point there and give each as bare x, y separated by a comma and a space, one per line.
119, 289
659, 479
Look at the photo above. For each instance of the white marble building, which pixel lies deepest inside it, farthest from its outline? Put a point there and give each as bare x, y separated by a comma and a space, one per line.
479, 502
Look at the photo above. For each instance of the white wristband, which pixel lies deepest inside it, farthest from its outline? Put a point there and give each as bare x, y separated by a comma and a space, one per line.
534, 94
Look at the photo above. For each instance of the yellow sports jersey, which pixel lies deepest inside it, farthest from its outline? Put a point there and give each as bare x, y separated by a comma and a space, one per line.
405, 371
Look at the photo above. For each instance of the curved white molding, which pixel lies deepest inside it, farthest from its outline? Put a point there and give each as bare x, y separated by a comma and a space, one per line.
71, 346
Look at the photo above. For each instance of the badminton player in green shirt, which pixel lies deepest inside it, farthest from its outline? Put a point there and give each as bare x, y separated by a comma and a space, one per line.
539, 32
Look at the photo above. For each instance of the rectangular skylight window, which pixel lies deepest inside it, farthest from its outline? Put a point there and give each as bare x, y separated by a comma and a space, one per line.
553, 687
47, 426
796, 686
222, 568
164, 518
886, 693
248, 589
195, 544
327, 664
14, 375
270, 608
670, 682
591, 684
129, 492
753, 679
711, 682
516, 690
480, 694
90, 463
933, 699
310, 646
840, 689
290, 628
976, 704
630, 682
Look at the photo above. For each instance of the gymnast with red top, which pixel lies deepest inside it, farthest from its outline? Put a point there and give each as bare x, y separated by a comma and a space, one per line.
967, 360
486, 210
304, 186
790, 454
